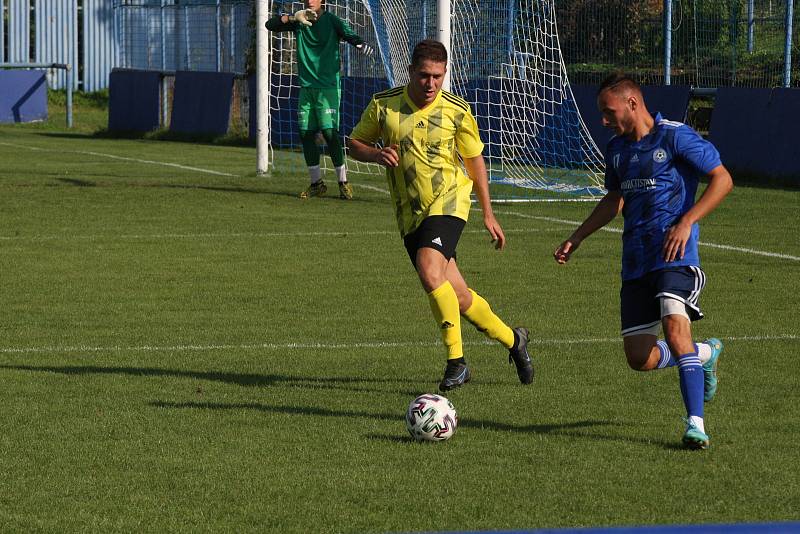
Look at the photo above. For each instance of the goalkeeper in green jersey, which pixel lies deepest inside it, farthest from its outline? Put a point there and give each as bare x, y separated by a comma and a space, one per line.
318, 33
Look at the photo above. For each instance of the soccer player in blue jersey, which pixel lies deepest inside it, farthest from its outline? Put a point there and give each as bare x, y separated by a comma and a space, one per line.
653, 166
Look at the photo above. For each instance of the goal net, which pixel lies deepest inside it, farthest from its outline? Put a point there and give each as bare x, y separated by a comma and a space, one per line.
505, 61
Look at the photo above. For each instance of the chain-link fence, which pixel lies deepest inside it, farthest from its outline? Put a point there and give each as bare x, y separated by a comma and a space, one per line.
170, 35
715, 43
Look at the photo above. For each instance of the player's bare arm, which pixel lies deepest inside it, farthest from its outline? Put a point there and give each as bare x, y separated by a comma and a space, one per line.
605, 211
386, 156
476, 169
720, 184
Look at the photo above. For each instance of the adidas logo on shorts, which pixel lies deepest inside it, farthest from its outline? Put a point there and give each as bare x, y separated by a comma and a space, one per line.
437, 241
420, 124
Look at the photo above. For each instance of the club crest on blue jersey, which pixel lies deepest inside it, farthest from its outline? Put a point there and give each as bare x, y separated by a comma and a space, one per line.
657, 189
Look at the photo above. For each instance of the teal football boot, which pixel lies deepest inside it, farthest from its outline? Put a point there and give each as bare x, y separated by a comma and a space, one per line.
693, 438
710, 369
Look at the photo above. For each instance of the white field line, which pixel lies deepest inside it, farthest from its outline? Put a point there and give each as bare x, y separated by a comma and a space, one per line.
235, 235
371, 188
334, 346
364, 186
122, 158
149, 162
616, 230
195, 236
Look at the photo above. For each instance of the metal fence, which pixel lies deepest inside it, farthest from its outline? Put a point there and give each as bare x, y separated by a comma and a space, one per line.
714, 43
75, 32
170, 35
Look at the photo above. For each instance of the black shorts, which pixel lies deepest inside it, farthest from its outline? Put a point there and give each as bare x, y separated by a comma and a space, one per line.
640, 298
440, 232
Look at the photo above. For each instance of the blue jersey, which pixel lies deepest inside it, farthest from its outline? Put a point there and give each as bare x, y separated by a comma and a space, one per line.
658, 178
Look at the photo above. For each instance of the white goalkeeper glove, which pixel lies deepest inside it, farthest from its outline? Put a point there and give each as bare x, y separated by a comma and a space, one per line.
305, 16
365, 49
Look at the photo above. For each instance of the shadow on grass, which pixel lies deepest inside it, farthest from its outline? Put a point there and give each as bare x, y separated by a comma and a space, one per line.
76, 182
562, 429
218, 188
571, 430
213, 188
333, 197
327, 412
238, 379
565, 429
158, 135
67, 135
290, 194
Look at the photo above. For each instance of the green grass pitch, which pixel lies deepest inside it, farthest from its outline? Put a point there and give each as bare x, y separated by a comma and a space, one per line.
185, 346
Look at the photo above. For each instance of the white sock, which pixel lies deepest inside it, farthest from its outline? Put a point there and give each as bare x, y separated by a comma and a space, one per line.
703, 352
666, 359
341, 173
315, 173
698, 422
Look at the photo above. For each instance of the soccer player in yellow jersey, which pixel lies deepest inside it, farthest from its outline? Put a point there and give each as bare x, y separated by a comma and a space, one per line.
423, 131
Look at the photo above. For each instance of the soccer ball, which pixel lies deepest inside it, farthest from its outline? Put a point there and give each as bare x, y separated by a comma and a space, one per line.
431, 418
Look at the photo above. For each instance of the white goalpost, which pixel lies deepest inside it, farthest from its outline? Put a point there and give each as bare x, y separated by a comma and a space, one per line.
443, 30
505, 60
263, 60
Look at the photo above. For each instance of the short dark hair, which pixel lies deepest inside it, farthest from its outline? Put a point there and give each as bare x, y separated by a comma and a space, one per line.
428, 49
618, 82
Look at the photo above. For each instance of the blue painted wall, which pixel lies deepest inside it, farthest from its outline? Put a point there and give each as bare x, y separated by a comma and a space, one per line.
23, 95
755, 131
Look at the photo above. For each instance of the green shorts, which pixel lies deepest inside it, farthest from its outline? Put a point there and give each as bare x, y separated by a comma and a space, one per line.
318, 109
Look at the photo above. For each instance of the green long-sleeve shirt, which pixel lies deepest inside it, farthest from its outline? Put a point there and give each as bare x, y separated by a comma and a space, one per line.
318, 60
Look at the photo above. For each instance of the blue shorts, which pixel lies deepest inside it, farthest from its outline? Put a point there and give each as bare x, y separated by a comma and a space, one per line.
640, 299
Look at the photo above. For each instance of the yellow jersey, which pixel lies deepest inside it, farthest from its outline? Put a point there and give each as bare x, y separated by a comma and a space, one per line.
429, 179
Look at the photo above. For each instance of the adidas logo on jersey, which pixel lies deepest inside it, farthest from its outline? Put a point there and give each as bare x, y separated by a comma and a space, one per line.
437, 241
635, 158
420, 124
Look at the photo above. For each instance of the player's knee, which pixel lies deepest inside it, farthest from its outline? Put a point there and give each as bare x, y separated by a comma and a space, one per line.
308, 136
331, 135
430, 275
638, 361
431, 282
639, 352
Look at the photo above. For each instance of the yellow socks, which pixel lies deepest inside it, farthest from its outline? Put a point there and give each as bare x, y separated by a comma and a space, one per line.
444, 305
481, 315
